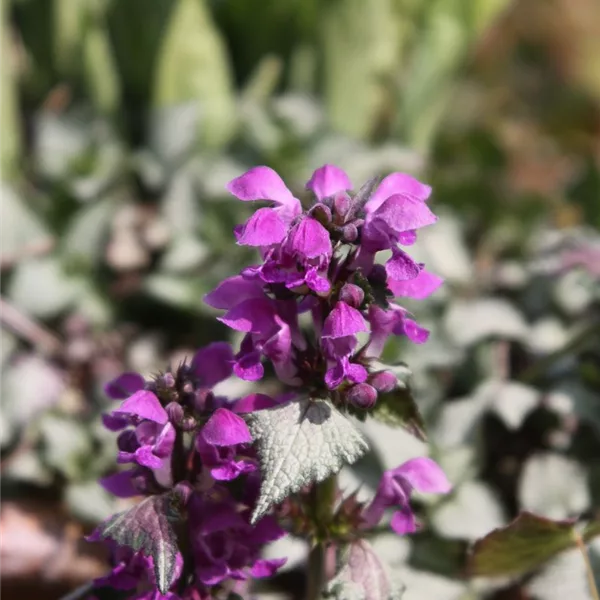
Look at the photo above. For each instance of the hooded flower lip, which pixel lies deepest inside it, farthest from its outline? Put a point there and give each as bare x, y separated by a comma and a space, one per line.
264, 228
342, 321
309, 239
420, 287
395, 488
397, 184
213, 363
232, 291
327, 181
124, 386
145, 405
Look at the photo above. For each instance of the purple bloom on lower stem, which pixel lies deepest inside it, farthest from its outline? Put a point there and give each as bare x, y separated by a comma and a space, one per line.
225, 545
395, 488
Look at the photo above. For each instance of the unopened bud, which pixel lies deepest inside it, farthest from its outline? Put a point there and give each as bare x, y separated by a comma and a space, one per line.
349, 232
362, 395
321, 213
167, 380
175, 412
127, 441
341, 204
183, 491
378, 274
352, 295
384, 381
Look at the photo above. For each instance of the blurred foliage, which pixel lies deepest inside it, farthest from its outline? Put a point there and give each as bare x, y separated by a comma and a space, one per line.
122, 120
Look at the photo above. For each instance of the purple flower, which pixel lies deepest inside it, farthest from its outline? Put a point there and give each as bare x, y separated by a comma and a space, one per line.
327, 181
218, 445
396, 487
225, 545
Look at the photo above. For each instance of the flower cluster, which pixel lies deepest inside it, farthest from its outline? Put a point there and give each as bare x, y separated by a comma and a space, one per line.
182, 438
322, 261
210, 468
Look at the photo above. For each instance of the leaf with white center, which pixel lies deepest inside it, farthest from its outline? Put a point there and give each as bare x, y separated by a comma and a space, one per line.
299, 443
363, 577
149, 527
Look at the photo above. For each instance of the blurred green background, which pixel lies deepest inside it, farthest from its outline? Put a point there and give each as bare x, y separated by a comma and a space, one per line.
122, 121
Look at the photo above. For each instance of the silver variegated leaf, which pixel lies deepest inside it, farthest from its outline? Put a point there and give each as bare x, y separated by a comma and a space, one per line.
299, 443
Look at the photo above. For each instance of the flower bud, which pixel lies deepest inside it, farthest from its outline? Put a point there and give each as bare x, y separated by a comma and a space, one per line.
362, 395
127, 441
175, 412
341, 204
352, 295
321, 213
384, 381
378, 274
183, 492
167, 380
349, 233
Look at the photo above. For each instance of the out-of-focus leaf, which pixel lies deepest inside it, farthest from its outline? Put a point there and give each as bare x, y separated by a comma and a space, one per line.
469, 513
89, 501
563, 577
69, 23
470, 321
192, 66
399, 409
365, 36
178, 290
9, 116
553, 486
99, 66
149, 526
41, 288
22, 233
513, 402
85, 236
437, 554
520, 547
29, 386
66, 443
27, 466
173, 131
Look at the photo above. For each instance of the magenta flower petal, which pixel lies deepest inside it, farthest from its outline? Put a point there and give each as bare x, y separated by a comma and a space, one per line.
256, 315
328, 180
232, 470
424, 475
261, 183
403, 213
146, 458
225, 428
120, 484
397, 183
316, 282
403, 522
253, 402
115, 422
309, 239
423, 285
213, 363
144, 404
263, 228
343, 320
124, 385
266, 567
249, 367
413, 331
232, 291
407, 238
401, 266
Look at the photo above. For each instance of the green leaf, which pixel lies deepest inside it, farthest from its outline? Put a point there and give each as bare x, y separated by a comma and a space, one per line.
22, 232
192, 65
399, 409
300, 443
522, 546
149, 527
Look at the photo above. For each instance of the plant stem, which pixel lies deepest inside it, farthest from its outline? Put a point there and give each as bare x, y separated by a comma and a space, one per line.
315, 575
588, 567
321, 508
